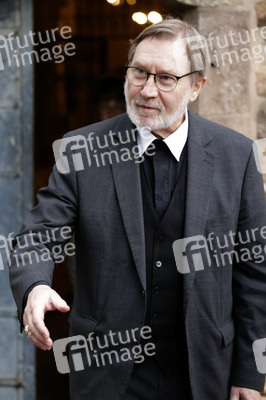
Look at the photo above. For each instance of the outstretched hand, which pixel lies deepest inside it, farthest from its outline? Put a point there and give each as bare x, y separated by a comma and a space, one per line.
41, 299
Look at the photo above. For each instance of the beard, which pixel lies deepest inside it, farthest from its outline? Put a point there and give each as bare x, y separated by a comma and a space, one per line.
158, 122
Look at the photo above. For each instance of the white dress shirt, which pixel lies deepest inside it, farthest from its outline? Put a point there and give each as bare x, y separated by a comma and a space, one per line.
175, 142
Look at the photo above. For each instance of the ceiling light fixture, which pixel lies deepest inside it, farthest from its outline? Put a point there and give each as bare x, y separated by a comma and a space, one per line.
154, 17
140, 18
114, 2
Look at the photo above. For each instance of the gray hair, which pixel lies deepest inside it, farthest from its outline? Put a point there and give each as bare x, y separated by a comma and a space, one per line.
173, 29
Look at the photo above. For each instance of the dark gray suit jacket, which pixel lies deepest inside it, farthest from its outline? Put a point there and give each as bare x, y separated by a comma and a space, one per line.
224, 307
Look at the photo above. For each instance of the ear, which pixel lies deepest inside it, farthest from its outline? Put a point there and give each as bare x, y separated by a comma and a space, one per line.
196, 89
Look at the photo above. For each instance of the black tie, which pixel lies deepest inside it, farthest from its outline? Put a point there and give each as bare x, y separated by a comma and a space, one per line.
161, 165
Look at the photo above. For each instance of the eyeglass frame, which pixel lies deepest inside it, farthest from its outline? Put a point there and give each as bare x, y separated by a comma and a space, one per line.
160, 73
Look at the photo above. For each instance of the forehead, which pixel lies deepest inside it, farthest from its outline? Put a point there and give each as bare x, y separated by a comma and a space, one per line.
164, 54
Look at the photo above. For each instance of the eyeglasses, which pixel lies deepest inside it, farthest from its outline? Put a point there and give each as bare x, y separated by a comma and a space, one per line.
165, 82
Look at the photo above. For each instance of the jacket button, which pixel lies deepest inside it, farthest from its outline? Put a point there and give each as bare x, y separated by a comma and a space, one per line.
158, 264
143, 293
156, 290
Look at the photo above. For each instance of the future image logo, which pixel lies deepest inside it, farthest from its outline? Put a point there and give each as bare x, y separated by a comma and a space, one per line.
191, 254
78, 352
77, 153
198, 253
71, 154
259, 350
16, 50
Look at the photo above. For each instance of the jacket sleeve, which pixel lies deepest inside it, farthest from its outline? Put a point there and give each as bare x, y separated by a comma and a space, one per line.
43, 239
249, 280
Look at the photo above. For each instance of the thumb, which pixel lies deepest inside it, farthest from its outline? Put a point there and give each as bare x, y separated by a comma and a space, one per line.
57, 303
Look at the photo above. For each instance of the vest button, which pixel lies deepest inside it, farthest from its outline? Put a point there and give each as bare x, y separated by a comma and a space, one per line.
156, 290
158, 264
155, 317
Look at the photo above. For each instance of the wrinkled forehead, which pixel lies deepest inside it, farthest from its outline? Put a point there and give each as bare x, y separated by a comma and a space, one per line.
166, 52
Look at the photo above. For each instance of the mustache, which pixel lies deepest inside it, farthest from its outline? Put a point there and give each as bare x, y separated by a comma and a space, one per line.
147, 103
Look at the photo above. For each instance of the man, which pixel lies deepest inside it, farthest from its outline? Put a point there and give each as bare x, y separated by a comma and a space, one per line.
197, 181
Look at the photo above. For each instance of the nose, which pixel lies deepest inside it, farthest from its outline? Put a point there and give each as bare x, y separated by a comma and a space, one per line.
149, 88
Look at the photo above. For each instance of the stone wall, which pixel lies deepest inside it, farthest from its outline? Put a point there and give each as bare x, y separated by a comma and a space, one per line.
17, 354
235, 93
260, 8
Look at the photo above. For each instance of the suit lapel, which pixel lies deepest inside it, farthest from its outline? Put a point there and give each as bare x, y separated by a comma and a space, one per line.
128, 188
199, 185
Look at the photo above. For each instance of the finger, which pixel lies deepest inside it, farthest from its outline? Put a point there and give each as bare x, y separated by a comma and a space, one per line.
34, 318
34, 334
234, 395
39, 341
43, 345
37, 328
37, 336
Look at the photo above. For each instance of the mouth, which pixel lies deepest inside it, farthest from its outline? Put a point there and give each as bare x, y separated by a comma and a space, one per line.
147, 108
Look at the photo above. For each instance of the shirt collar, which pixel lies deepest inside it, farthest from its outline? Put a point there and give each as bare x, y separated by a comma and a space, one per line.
175, 142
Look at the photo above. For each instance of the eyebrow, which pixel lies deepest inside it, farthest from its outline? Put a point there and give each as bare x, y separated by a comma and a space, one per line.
139, 65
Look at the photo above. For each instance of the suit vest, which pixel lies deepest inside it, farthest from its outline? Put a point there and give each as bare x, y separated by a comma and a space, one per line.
164, 283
